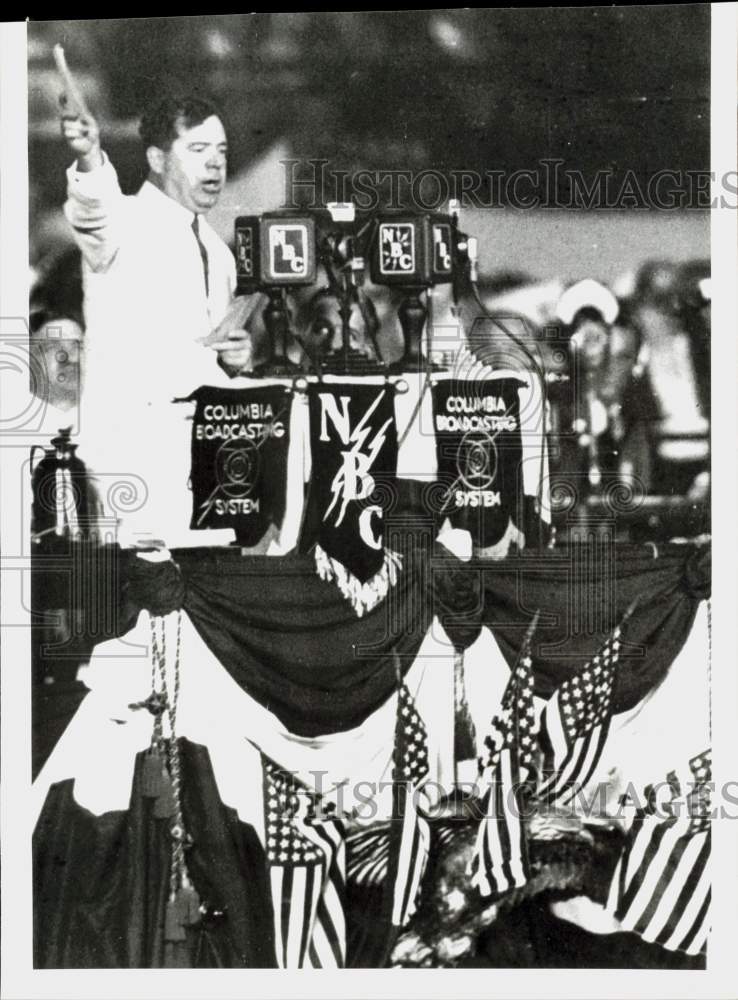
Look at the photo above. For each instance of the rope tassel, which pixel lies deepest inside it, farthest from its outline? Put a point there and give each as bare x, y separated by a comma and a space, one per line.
174, 928
162, 781
152, 774
183, 911
165, 806
187, 902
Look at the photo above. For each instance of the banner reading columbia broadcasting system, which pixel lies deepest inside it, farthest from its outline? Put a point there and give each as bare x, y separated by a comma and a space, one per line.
480, 455
240, 439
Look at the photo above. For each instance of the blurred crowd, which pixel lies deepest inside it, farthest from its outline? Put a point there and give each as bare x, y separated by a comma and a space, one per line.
633, 406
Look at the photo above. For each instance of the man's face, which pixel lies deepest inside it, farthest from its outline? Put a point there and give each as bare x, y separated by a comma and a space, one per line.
55, 368
193, 170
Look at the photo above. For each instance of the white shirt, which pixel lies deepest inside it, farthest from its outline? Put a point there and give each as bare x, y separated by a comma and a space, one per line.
145, 308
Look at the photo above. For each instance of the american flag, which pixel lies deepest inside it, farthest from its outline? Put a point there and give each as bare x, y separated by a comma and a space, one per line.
575, 724
306, 859
500, 858
661, 886
411, 832
368, 857
368, 851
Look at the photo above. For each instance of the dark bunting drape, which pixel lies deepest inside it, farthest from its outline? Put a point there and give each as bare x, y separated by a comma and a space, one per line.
294, 643
582, 591
287, 637
101, 882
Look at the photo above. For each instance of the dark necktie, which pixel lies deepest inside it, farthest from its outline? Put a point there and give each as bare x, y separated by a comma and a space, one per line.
203, 252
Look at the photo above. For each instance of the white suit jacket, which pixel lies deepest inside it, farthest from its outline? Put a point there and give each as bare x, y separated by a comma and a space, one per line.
145, 308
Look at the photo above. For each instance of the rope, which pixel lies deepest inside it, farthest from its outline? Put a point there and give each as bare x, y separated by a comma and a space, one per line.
179, 868
709, 667
183, 902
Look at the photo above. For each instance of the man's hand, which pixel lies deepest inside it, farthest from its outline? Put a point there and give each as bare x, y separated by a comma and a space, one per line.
83, 137
231, 339
78, 126
234, 351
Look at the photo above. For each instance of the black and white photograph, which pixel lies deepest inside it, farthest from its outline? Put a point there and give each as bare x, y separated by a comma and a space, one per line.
364, 437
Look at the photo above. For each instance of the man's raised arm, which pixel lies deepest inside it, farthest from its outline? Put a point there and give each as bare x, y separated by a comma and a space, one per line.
94, 198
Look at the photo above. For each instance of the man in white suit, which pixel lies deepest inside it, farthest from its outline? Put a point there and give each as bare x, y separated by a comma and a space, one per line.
157, 281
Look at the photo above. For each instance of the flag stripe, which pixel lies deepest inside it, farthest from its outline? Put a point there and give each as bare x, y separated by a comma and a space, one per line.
501, 841
489, 849
331, 913
411, 851
589, 751
643, 892
299, 897
329, 927
400, 801
649, 841
498, 833
481, 863
682, 883
276, 878
512, 820
640, 840
661, 885
365, 848
373, 864
690, 899
369, 861
294, 900
499, 861
409, 831
675, 867
576, 762
564, 759
696, 939
568, 772
597, 745
306, 859
420, 849
325, 940
491, 854
376, 872
575, 724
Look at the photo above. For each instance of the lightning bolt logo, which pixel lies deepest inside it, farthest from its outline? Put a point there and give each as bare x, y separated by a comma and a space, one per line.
207, 505
353, 480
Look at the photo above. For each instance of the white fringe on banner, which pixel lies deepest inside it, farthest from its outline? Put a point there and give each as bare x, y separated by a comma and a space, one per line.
363, 596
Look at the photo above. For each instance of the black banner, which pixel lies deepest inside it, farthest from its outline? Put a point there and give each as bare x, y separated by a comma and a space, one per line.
353, 439
479, 449
240, 439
